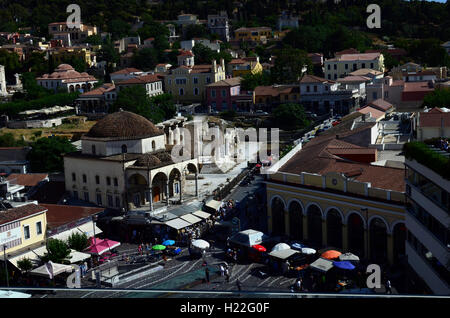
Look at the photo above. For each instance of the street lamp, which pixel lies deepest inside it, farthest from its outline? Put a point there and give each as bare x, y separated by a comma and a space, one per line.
366, 211
6, 266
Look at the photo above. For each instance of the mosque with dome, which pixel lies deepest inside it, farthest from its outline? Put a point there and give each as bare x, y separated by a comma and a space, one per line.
125, 162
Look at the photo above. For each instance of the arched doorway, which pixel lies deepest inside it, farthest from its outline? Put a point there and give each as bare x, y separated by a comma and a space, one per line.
174, 182
137, 185
378, 240
399, 237
355, 228
158, 186
296, 221
278, 224
334, 228
314, 225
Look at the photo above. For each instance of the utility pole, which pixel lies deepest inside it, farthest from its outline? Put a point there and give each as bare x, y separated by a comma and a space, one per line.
6, 265
366, 210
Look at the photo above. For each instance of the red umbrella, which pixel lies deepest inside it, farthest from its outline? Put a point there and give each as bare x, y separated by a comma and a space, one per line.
260, 248
331, 254
258, 166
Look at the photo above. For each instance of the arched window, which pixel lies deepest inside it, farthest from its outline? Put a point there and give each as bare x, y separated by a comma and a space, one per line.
153, 145
93, 149
124, 149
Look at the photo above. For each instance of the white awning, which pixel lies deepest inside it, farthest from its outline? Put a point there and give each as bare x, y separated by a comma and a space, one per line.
190, 218
202, 214
283, 254
32, 255
76, 256
178, 223
213, 204
86, 228
57, 269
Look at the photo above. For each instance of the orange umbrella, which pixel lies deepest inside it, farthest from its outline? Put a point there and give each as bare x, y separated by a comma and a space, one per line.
331, 254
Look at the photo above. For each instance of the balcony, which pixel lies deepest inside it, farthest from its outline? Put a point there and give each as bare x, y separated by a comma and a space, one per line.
426, 272
427, 238
432, 207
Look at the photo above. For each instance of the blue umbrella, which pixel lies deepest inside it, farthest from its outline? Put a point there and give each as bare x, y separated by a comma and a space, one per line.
344, 265
168, 242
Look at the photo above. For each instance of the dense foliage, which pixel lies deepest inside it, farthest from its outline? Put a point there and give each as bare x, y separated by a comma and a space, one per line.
78, 241
421, 153
437, 98
8, 140
290, 116
24, 264
57, 251
46, 154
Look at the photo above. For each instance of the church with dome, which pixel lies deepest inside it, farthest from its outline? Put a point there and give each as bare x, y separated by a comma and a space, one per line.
125, 162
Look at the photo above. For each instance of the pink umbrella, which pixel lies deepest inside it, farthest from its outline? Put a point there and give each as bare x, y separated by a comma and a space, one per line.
99, 246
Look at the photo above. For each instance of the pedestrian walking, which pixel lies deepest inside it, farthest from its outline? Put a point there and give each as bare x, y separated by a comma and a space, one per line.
388, 287
298, 284
238, 284
222, 270
227, 275
207, 274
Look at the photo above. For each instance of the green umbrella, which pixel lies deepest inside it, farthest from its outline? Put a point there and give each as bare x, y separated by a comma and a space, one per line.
159, 247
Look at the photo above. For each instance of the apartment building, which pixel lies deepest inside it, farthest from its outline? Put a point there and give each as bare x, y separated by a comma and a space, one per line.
428, 221
344, 64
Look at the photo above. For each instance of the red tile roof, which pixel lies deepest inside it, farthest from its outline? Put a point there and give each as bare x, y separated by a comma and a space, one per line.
58, 215
151, 78
434, 118
126, 71
20, 212
381, 104
28, 179
314, 79
375, 113
326, 154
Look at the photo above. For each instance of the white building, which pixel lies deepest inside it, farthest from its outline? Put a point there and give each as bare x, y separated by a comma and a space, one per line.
65, 77
152, 84
188, 45
124, 164
218, 24
125, 74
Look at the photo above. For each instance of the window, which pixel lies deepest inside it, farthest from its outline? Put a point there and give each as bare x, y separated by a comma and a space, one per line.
181, 92
116, 182
213, 93
93, 149
110, 200
329, 76
346, 66
224, 105
74, 177
335, 76
329, 66
224, 93
39, 228
84, 178
99, 199
75, 194
124, 149
196, 91
363, 65
335, 66
307, 88
371, 65
374, 95
26, 232
208, 80
108, 181
97, 179
86, 196
354, 67
195, 80
117, 202
153, 145
315, 88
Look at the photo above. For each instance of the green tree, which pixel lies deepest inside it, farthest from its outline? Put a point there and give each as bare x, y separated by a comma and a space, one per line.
8, 140
46, 154
290, 116
250, 81
437, 98
78, 241
165, 103
195, 31
25, 265
95, 39
145, 59
57, 251
289, 65
135, 99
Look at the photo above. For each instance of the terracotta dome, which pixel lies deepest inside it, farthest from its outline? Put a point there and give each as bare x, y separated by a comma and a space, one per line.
64, 67
147, 160
124, 125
